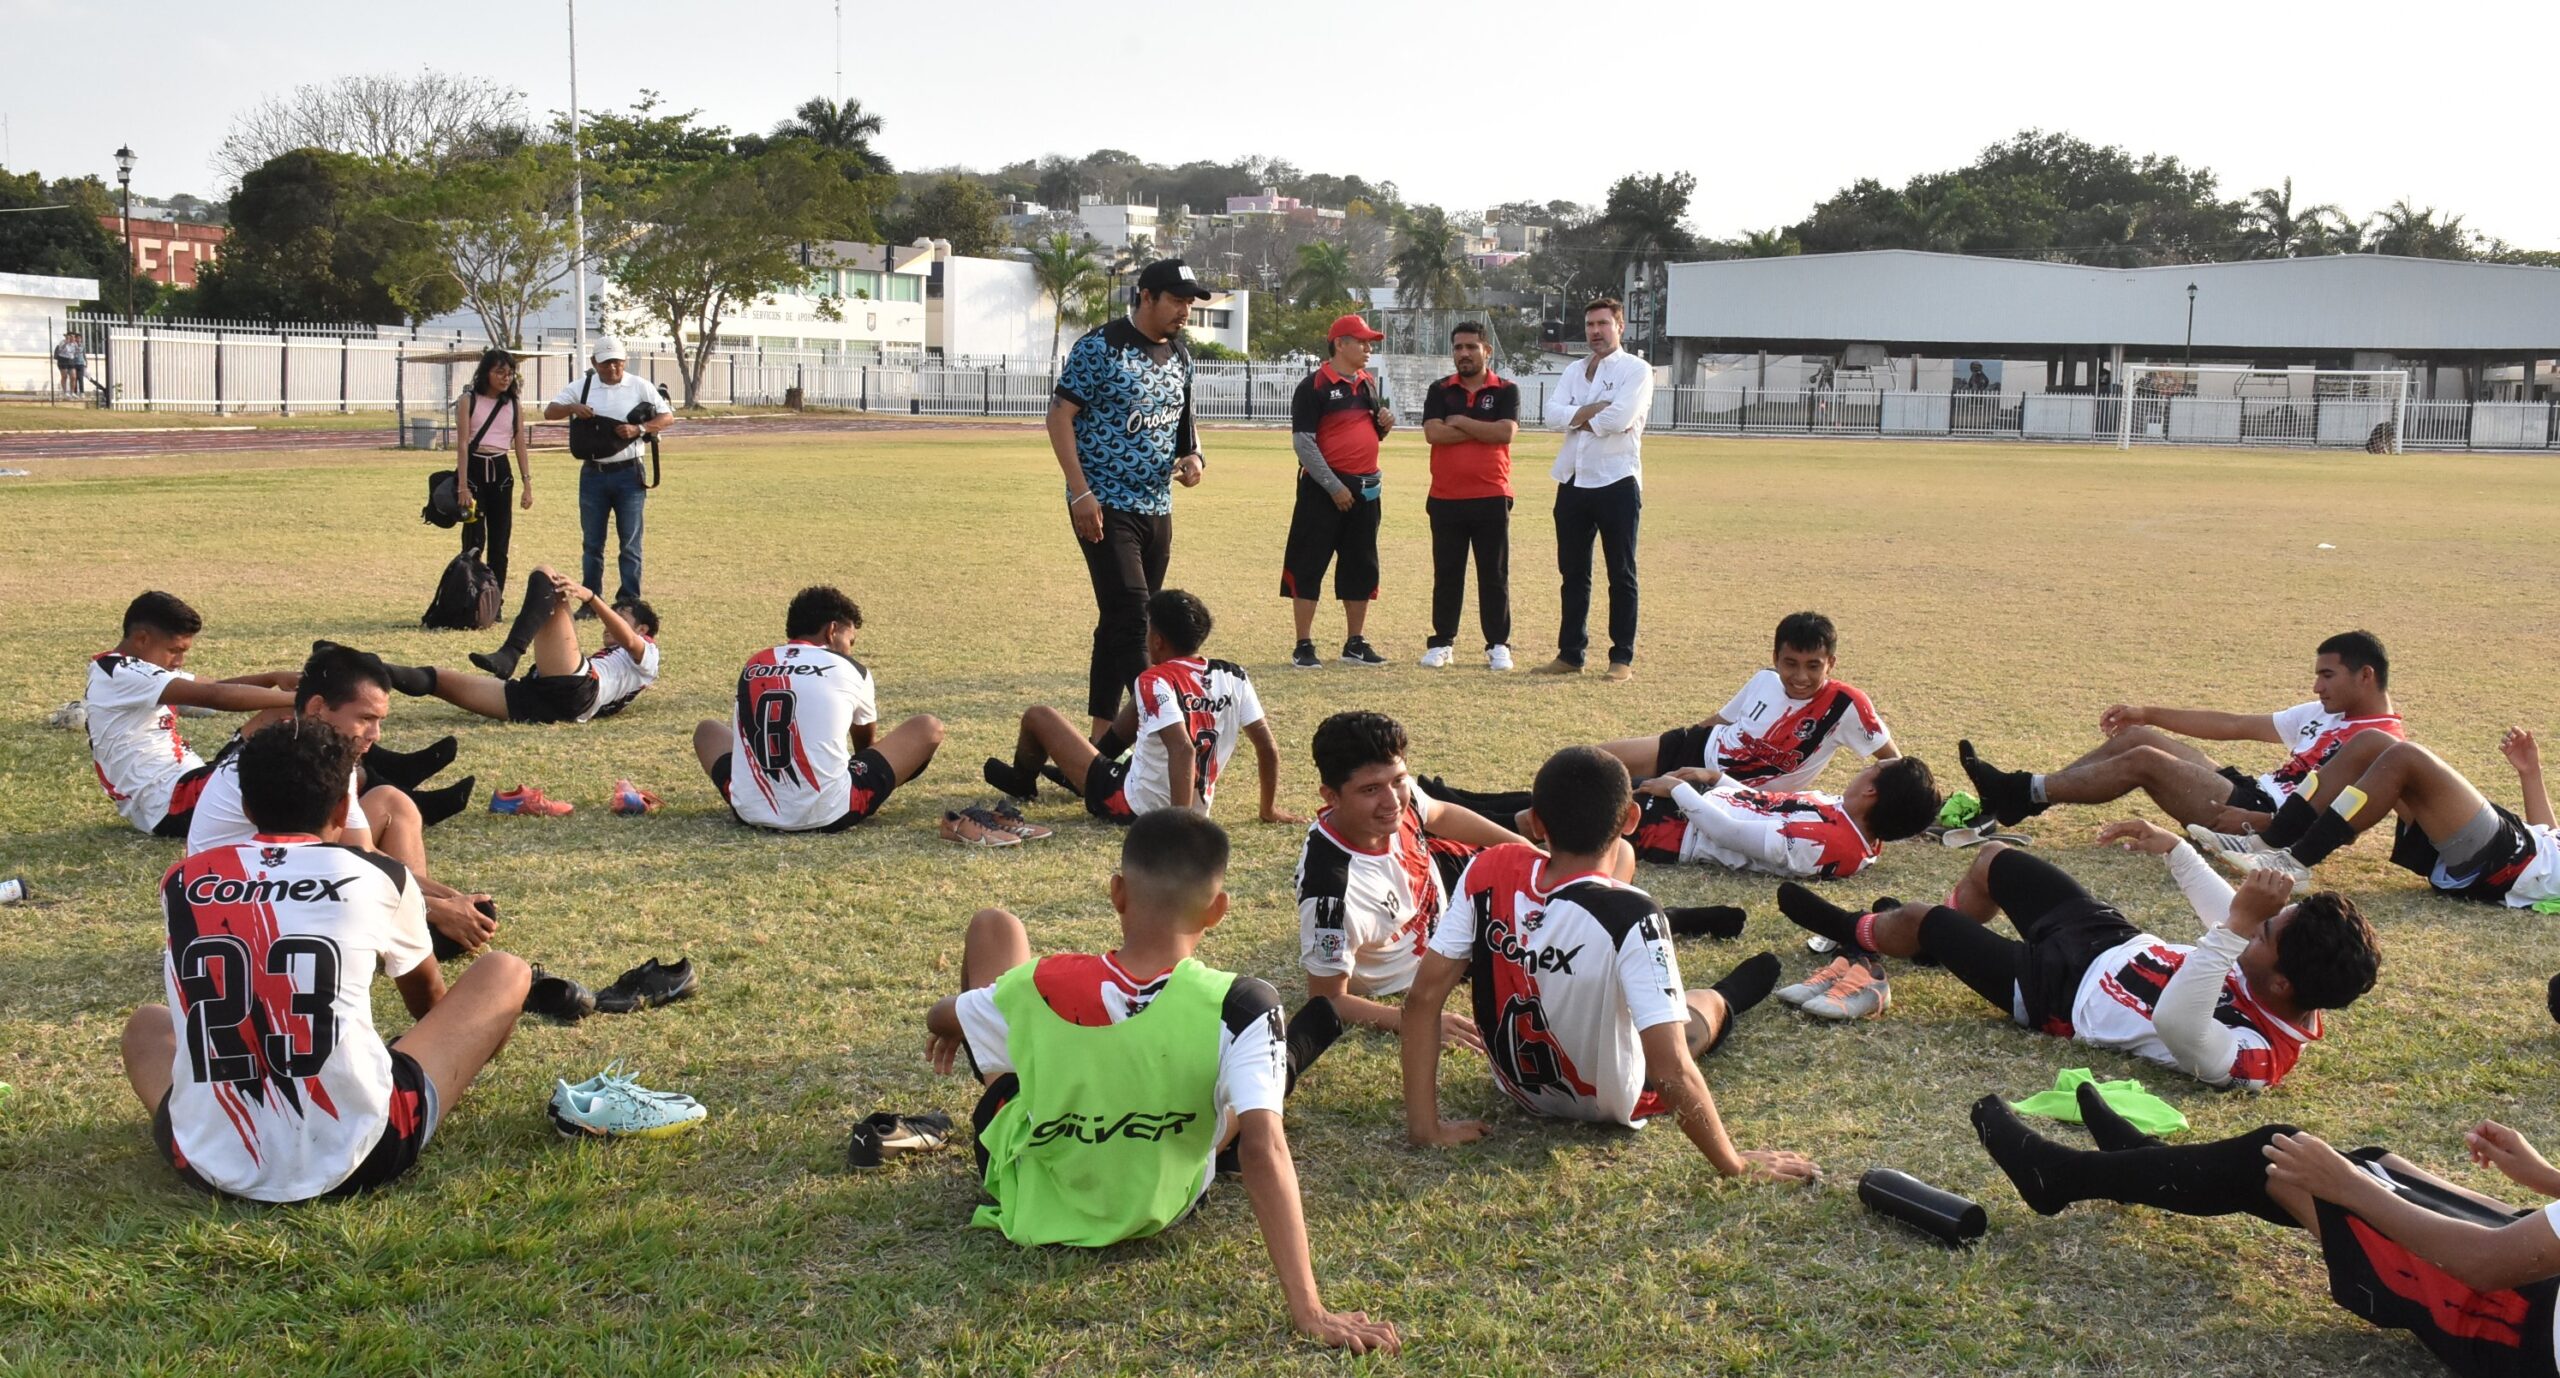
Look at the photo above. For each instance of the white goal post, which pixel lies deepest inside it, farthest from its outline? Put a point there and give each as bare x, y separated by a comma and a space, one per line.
2222, 404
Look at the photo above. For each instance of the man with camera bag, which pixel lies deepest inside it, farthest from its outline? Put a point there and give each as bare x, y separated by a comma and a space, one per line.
612, 415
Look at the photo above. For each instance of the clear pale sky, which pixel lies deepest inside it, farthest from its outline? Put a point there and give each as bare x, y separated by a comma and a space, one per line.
1772, 106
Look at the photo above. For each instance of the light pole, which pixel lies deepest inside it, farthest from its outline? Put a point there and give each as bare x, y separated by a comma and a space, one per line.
124, 179
2191, 325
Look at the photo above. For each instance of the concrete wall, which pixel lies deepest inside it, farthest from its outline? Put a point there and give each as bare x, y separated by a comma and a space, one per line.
993, 309
31, 313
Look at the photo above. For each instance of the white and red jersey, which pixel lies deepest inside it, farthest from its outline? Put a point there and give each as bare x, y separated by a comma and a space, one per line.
619, 678
1212, 702
1367, 914
2313, 734
1772, 742
219, 819
1568, 972
1802, 833
798, 704
280, 1086
2123, 985
133, 737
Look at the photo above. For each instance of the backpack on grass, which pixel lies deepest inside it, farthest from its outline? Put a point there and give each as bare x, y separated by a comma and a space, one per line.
466, 596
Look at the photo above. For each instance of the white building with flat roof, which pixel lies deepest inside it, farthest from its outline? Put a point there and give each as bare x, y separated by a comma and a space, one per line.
32, 310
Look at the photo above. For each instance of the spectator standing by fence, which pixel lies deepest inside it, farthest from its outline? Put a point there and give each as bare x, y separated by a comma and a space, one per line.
613, 485
1600, 405
488, 423
1336, 419
1470, 417
71, 364
1120, 423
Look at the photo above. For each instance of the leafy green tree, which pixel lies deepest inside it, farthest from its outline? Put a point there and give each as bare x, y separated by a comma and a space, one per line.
709, 238
69, 242
1324, 274
2273, 227
1283, 331
1772, 243
627, 155
844, 127
1430, 262
952, 207
1070, 274
310, 241
495, 230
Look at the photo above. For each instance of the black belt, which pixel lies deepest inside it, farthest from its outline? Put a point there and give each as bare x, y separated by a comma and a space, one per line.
609, 466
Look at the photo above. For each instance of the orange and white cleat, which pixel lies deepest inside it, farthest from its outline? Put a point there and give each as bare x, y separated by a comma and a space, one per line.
629, 798
966, 830
525, 799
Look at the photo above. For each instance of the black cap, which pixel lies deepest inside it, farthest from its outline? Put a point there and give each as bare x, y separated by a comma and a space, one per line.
1172, 275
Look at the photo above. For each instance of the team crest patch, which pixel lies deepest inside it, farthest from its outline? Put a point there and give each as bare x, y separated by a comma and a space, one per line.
271, 856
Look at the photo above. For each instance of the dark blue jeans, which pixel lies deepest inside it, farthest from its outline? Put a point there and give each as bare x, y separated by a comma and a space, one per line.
619, 492
1611, 515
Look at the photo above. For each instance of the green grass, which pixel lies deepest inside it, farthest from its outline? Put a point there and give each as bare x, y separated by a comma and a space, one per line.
2005, 593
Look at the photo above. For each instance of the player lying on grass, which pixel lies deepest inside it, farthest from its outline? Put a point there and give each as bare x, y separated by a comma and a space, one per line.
807, 722
2350, 677
567, 684
1781, 727
1097, 1126
1375, 872
2448, 831
263, 1074
1695, 816
2233, 1009
348, 692
2475, 1280
1578, 997
1184, 716
147, 769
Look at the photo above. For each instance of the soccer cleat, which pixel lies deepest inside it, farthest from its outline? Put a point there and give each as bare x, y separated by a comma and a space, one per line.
613, 1106
2007, 793
1437, 657
1619, 672
629, 798
1497, 658
1819, 943
1009, 817
1558, 666
2283, 863
1859, 994
964, 828
884, 1136
2214, 844
1358, 651
558, 998
647, 985
525, 799
1305, 657
1815, 984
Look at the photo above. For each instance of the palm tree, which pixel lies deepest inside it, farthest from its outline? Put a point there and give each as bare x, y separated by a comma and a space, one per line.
1072, 278
845, 127
1324, 275
2401, 228
1430, 267
1774, 243
2271, 228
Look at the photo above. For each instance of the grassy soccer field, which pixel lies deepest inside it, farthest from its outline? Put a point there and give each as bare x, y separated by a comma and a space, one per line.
2004, 593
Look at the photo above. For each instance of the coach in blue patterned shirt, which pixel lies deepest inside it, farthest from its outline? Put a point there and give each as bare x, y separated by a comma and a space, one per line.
1121, 426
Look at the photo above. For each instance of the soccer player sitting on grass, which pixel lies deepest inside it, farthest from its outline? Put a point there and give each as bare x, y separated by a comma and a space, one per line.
2233, 1009
2351, 678
1097, 1126
348, 692
1577, 994
1184, 716
2448, 831
1781, 727
1375, 873
2474, 1279
567, 685
807, 722
263, 1074
148, 771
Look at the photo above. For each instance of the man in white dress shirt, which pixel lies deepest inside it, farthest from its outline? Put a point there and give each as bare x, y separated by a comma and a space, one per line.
1601, 408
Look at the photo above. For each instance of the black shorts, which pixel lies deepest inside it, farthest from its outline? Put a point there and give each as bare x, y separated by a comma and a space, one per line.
2503, 1333
2065, 928
2247, 793
182, 799
550, 698
874, 780
393, 1154
1681, 746
1321, 534
1106, 791
1660, 829
2488, 879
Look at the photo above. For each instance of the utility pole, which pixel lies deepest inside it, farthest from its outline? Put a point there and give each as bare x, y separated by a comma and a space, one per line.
839, 54
577, 198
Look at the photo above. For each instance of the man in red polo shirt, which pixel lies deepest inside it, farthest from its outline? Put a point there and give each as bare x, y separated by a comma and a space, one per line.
1469, 418
1336, 420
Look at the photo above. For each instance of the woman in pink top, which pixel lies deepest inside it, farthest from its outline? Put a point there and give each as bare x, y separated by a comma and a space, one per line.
487, 423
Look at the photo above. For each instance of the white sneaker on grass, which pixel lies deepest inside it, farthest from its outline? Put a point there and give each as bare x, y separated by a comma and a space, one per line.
1437, 657
1497, 658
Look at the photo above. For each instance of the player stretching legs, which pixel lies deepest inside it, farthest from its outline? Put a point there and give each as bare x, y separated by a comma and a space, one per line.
2351, 678
567, 685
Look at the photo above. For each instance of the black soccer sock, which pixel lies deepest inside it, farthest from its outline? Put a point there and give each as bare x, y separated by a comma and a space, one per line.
1814, 914
1055, 776
1705, 920
416, 681
1496, 806
1013, 779
2327, 833
1311, 1030
1111, 744
2113, 1132
406, 770
2004, 792
2293, 818
437, 805
2226, 1177
541, 597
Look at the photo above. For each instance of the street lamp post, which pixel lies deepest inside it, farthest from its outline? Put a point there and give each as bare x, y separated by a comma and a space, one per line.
124, 179
2191, 325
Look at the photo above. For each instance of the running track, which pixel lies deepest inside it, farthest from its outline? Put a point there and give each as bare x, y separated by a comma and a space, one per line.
180, 440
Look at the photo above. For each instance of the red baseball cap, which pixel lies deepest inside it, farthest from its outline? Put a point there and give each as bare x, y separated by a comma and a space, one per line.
1354, 327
